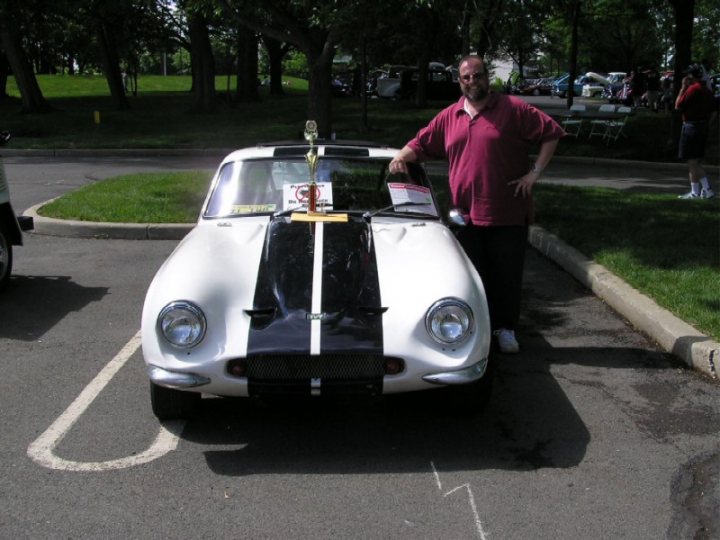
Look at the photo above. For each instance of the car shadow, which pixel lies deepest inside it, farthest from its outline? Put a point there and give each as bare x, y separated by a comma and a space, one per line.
32, 305
530, 422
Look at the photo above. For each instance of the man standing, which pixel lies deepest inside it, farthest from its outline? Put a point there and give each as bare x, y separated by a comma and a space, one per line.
697, 105
486, 138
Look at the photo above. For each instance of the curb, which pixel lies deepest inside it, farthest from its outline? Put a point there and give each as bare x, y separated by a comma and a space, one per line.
672, 334
98, 229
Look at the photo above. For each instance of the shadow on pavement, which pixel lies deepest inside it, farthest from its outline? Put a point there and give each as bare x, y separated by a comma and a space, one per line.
32, 305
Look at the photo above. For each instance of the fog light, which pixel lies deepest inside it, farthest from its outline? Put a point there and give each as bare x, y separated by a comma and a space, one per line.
237, 368
393, 366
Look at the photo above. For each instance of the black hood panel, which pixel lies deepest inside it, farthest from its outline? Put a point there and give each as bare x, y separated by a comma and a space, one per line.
351, 314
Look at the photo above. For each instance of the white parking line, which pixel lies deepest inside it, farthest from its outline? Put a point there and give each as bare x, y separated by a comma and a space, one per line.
41, 450
478, 523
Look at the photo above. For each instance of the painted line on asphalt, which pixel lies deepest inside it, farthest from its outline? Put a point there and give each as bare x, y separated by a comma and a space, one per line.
41, 451
471, 498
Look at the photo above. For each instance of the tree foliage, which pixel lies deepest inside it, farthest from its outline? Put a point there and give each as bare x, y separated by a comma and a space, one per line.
209, 36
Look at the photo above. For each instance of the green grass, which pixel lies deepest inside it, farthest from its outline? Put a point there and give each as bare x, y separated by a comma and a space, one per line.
137, 198
664, 247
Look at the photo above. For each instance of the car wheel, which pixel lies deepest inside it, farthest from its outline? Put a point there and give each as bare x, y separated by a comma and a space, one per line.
6, 257
171, 404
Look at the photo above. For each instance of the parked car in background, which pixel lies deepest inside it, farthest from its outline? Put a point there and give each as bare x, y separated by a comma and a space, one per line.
593, 84
388, 84
369, 295
440, 84
612, 90
534, 87
560, 86
11, 227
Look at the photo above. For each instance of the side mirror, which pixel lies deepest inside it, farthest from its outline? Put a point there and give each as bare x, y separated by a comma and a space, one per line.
458, 217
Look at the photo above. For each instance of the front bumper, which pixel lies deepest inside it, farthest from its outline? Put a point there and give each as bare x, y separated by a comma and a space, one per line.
463, 376
175, 379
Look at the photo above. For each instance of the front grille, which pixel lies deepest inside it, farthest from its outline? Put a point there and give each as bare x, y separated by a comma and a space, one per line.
301, 367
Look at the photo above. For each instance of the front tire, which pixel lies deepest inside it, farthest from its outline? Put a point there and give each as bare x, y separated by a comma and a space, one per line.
171, 404
6, 257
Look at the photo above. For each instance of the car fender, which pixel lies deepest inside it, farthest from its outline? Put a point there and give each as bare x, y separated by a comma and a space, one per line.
419, 264
223, 286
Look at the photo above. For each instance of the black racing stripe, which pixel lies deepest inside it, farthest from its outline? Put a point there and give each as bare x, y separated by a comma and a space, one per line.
283, 293
352, 312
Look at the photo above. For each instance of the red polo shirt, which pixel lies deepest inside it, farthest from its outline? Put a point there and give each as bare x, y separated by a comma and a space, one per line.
696, 103
485, 153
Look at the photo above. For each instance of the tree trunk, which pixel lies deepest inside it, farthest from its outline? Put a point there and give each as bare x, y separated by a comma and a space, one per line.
573, 52
320, 91
276, 53
247, 73
203, 64
4, 72
684, 14
32, 99
111, 64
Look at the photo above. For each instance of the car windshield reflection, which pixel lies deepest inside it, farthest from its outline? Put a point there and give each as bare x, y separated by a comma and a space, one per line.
280, 186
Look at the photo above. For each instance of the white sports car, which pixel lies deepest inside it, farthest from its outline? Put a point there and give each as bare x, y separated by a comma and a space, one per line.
312, 271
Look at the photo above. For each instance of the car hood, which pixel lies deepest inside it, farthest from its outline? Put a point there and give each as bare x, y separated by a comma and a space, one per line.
314, 288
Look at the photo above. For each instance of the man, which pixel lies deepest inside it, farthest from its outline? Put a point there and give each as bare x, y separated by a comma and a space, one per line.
486, 138
697, 105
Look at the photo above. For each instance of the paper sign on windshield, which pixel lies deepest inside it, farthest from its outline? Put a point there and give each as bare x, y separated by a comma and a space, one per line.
298, 195
410, 193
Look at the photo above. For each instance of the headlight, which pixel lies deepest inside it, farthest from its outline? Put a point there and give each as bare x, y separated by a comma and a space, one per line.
182, 324
449, 321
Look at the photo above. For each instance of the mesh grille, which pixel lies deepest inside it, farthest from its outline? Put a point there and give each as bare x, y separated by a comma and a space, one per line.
300, 367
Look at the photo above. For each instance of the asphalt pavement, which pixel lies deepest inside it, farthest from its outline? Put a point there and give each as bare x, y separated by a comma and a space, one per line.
670, 333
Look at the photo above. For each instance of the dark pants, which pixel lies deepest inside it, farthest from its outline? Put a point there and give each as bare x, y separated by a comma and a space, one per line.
498, 254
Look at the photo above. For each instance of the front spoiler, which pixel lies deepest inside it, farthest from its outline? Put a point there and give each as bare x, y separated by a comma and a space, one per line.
463, 376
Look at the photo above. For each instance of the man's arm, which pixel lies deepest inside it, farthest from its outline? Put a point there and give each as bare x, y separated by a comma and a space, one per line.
524, 184
401, 159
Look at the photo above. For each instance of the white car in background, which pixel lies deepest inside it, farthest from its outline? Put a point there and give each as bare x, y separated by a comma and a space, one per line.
594, 84
370, 293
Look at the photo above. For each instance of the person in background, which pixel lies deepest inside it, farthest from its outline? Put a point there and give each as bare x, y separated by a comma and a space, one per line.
652, 79
697, 105
486, 138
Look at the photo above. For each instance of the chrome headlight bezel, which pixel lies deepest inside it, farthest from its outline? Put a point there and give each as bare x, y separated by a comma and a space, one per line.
458, 330
174, 312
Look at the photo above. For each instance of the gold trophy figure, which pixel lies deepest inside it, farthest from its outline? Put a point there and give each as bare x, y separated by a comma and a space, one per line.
311, 134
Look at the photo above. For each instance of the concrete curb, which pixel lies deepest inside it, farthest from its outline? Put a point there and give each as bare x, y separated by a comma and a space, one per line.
672, 334
117, 231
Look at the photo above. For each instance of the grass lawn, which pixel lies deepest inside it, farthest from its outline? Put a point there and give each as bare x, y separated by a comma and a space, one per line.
161, 117
660, 245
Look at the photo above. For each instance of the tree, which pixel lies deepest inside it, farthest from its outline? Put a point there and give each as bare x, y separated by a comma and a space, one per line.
314, 31
13, 19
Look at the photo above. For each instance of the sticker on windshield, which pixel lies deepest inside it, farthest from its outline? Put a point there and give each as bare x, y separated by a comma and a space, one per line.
410, 193
298, 195
252, 208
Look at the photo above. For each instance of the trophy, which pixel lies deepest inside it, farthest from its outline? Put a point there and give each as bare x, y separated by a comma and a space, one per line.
311, 134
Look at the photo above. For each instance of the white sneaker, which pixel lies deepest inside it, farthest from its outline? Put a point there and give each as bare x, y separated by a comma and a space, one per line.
689, 195
707, 194
506, 341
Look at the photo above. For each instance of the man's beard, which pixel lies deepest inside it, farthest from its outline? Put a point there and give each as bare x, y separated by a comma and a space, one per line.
476, 93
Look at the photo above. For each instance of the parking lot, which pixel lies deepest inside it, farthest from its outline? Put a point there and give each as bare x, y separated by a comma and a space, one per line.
591, 431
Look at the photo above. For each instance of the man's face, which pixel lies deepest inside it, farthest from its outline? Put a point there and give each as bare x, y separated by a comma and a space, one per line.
474, 81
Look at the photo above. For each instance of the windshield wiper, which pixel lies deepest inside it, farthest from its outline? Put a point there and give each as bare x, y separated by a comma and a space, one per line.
286, 212
367, 216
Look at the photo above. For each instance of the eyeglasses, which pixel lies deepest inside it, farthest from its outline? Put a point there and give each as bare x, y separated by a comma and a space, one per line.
473, 77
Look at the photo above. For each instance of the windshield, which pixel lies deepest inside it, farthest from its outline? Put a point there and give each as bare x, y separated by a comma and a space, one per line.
268, 186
